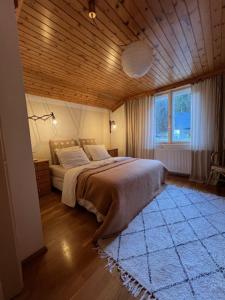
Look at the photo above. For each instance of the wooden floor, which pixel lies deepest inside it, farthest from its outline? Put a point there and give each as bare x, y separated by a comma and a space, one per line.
71, 267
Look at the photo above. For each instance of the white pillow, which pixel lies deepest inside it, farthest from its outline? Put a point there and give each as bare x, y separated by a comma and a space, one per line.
59, 150
72, 157
97, 152
86, 150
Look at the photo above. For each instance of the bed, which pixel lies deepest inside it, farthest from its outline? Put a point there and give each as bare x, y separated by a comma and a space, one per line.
57, 171
115, 189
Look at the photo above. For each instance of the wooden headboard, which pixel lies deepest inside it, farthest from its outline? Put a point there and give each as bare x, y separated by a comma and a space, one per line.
87, 142
59, 144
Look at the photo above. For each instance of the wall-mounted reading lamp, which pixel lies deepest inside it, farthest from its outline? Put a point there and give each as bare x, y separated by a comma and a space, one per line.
44, 118
112, 125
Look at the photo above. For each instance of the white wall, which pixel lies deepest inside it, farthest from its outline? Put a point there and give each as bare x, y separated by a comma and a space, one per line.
118, 135
16, 139
73, 121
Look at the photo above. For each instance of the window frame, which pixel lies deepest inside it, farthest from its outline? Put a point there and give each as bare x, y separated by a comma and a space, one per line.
169, 94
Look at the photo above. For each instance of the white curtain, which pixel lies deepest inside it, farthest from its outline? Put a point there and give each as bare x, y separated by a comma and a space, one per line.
139, 118
206, 98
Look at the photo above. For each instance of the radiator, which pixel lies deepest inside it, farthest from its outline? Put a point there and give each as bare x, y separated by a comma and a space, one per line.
176, 160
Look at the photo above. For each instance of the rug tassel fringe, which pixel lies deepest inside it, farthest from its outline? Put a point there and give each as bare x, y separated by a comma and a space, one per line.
132, 285
143, 297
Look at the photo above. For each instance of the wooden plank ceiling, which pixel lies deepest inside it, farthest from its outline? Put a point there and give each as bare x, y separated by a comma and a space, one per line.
66, 56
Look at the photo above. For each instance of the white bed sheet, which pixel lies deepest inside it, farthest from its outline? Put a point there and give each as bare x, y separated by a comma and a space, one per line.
58, 172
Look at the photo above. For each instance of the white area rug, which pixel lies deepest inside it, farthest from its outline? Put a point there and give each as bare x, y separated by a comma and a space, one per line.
175, 248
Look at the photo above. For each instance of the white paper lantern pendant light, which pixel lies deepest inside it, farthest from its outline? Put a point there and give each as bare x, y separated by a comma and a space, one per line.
136, 59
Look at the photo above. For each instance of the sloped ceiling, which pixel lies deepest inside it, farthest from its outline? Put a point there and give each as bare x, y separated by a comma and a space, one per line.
68, 57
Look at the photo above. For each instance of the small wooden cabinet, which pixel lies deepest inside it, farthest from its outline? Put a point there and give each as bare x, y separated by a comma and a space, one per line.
43, 177
113, 152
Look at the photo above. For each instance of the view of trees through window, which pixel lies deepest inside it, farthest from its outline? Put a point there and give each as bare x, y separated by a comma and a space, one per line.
180, 116
161, 118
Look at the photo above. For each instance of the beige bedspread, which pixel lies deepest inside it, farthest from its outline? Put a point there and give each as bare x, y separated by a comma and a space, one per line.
119, 191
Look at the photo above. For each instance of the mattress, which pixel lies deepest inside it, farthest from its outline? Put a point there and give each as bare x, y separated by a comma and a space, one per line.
57, 171
57, 182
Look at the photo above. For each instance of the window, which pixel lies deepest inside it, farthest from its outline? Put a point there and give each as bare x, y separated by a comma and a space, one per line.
161, 118
173, 116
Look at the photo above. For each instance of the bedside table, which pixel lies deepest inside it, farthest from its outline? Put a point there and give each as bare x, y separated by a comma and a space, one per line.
42, 176
113, 152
